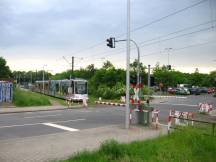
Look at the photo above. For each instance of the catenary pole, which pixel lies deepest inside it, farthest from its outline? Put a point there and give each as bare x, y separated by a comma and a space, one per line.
149, 78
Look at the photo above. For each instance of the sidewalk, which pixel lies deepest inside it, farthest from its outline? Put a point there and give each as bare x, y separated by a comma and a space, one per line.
34, 108
62, 145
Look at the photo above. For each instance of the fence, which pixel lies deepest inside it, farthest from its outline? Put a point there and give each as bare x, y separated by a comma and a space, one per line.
6, 91
177, 118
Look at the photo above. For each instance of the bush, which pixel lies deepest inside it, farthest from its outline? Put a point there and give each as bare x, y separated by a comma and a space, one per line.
111, 93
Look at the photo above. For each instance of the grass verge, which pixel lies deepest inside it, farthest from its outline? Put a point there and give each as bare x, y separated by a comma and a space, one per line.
23, 98
188, 145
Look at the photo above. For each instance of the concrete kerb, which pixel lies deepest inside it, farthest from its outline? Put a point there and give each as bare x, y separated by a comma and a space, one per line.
34, 109
110, 103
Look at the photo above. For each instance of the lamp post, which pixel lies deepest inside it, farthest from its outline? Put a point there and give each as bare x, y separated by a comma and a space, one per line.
43, 77
168, 54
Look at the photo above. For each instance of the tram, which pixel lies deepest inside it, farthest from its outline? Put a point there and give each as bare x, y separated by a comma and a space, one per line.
74, 89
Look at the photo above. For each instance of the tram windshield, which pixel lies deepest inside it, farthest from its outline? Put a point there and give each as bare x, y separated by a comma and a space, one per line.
80, 87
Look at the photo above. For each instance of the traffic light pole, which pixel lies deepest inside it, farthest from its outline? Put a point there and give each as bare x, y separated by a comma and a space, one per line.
149, 76
127, 112
138, 58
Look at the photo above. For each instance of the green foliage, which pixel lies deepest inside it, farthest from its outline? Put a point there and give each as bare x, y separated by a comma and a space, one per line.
25, 98
5, 72
111, 93
172, 77
186, 145
146, 91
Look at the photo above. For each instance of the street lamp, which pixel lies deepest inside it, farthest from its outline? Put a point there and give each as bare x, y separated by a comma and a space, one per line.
43, 77
168, 53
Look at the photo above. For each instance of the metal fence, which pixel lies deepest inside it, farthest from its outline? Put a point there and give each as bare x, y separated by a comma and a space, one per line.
6, 91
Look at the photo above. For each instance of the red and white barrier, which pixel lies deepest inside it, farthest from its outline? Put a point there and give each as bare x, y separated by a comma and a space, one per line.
179, 118
130, 117
155, 117
205, 108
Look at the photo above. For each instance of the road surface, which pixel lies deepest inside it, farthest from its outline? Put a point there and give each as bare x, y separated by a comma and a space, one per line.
20, 125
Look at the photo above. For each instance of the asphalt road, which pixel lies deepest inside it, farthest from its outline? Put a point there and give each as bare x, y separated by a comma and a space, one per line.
20, 125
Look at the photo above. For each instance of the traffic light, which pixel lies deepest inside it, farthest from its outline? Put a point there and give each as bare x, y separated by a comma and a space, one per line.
152, 81
111, 42
133, 79
169, 67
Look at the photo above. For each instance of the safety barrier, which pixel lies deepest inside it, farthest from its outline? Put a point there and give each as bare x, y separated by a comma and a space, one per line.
205, 108
6, 91
181, 118
155, 118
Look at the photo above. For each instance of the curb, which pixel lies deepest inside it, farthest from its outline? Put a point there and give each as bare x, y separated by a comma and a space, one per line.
24, 111
110, 103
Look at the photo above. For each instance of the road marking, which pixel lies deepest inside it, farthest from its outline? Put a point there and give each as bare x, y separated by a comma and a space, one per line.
61, 127
67, 121
22, 125
163, 125
10, 126
175, 104
169, 96
41, 116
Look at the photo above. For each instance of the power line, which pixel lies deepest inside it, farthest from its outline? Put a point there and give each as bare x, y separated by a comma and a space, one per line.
178, 36
172, 14
156, 38
181, 48
143, 26
159, 41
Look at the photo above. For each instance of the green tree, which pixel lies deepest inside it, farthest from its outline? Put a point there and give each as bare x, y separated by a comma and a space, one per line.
108, 65
5, 72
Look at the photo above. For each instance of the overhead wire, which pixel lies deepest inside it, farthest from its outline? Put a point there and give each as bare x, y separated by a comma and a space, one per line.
143, 26
156, 38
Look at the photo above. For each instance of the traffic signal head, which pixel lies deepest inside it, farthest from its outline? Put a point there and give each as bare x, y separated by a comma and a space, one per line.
111, 42
133, 79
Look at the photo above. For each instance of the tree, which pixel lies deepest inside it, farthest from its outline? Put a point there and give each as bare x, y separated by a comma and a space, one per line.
5, 72
108, 65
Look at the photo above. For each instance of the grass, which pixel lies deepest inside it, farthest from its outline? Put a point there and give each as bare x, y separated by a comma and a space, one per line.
23, 98
180, 146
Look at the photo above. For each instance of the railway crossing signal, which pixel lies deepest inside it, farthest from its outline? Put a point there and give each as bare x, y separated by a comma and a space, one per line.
111, 42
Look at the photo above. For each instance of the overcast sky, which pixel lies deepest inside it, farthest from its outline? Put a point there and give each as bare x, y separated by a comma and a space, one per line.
38, 32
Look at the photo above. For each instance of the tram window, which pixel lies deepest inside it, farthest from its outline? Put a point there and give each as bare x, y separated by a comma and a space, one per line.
80, 87
72, 86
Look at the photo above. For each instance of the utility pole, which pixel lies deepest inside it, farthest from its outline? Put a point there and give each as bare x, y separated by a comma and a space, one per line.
72, 66
149, 77
43, 77
168, 54
128, 66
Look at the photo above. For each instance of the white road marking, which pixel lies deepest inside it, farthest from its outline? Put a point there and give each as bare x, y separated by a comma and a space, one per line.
61, 127
176, 104
169, 96
163, 125
22, 125
41, 116
10, 126
67, 121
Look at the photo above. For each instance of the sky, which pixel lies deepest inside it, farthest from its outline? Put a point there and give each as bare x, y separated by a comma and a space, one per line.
35, 33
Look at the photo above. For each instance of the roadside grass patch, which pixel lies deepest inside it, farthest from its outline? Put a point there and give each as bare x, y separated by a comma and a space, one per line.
23, 98
187, 145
